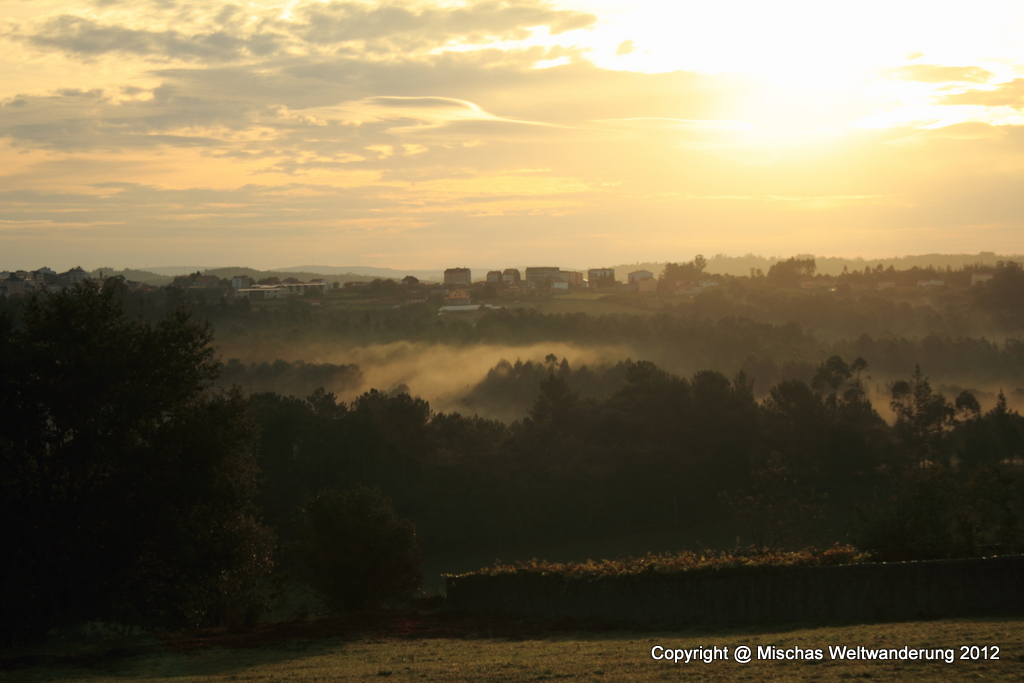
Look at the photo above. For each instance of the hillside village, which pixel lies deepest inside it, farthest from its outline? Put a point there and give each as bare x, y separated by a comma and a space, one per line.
457, 287
458, 291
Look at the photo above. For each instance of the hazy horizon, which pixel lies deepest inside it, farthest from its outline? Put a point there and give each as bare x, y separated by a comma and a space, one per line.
717, 263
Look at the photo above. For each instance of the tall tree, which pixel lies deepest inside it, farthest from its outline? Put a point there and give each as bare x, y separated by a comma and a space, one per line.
125, 485
923, 418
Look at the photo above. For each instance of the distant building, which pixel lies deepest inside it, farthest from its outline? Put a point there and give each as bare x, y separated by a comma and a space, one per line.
600, 277
196, 279
260, 292
298, 288
638, 275
410, 281
541, 277
510, 277
13, 286
240, 281
494, 277
285, 289
74, 276
573, 278
458, 296
356, 285
458, 276
929, 284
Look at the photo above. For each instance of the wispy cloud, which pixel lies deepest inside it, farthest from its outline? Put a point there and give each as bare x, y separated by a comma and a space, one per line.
936, 73
1010, 94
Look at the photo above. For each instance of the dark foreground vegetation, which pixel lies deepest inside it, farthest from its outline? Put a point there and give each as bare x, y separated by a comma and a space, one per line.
134, 492
125, 486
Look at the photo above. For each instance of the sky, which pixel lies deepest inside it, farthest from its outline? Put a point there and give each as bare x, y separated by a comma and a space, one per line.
435, 134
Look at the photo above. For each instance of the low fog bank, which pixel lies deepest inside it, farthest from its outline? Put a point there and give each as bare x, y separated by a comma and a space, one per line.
503, 381
442, 374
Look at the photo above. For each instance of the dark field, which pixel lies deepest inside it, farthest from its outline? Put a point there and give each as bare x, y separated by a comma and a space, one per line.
444, 646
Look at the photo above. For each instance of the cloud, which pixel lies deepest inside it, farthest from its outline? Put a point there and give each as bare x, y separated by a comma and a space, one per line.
348, 123
75, 120
624, 48
458, 203
267, 72
423, 103
935, 73
1009, 94
338, 22
88, 38
359, 29
95, 93
305, 117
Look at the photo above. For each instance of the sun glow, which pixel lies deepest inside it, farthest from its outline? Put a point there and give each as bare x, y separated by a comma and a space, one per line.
820, 66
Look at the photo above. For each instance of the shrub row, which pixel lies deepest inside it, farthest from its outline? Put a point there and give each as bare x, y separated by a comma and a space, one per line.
685, 562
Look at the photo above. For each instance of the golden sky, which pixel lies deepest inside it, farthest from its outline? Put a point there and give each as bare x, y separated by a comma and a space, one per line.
431, 134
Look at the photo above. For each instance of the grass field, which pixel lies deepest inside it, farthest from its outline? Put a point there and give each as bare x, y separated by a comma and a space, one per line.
447, 647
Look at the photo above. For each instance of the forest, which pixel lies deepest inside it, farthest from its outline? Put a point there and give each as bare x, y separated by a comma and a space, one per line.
172, 460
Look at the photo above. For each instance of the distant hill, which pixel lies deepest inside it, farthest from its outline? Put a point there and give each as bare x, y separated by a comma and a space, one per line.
828, 265
172, 271
303, 275
833, 265
622, 272
717, 264
164, 275
370, 272
146, 276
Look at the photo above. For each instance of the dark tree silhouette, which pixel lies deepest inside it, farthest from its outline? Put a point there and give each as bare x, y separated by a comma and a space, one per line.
356, 551
124, 484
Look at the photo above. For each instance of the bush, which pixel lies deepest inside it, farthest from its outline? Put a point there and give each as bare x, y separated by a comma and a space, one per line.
356, 551
940, 513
